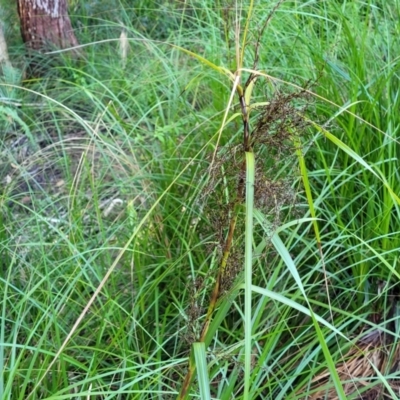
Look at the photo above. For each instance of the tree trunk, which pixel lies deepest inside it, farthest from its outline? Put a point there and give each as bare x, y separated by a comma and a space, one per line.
45, 24
3, 48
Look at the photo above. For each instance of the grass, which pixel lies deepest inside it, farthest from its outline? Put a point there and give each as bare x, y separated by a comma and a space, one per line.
131, 269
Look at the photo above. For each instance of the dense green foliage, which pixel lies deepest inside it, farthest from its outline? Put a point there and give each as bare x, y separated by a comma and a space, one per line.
119, 180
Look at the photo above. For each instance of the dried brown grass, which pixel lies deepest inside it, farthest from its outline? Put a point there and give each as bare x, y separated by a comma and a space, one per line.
358, 371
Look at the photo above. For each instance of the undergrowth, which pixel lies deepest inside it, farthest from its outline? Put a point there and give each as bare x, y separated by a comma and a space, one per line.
205, 205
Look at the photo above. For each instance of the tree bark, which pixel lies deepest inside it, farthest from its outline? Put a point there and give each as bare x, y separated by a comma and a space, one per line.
45, 24
3, 48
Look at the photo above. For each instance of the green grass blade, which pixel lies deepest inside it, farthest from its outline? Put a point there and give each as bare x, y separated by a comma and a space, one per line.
287, 259
204, 61
307, 188
295, 305
248, 268
199, 351
357, 158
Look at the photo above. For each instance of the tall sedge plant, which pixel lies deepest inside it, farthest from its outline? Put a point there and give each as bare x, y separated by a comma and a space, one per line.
245, 194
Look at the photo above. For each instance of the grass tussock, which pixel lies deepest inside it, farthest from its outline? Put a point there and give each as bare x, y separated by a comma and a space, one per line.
205, 204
